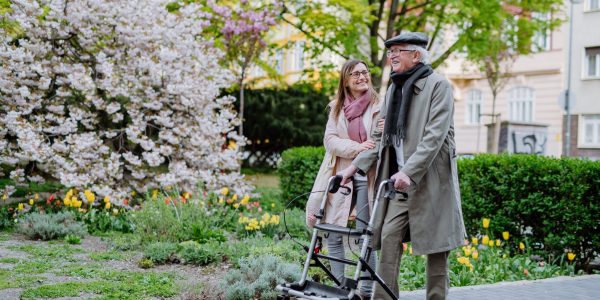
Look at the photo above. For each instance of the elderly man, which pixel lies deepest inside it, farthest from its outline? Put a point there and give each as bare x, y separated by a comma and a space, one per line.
417, 150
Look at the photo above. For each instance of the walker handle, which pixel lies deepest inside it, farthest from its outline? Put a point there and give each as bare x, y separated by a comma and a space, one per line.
335, 185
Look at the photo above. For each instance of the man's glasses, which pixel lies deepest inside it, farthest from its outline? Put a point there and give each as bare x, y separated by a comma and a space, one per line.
357, 74
397, 51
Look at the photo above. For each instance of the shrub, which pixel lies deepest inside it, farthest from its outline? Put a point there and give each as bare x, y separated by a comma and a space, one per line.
277, 119
257, 277
160, 252
192, 252
100, 220
553, 204
50, 226
72, 239
296, 225
298, 169
7, 219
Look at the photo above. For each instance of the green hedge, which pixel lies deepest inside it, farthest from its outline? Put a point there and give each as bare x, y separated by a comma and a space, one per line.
297, 171
552, 204
549, 204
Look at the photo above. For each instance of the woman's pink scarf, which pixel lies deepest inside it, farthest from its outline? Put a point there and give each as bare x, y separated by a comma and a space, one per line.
354, 110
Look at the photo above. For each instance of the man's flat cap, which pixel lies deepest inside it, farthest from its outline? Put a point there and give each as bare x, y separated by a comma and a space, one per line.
414, 38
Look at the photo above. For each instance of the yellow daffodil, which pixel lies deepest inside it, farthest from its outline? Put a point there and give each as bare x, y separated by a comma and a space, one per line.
69, 193
245, 200
505, 235
274, 220
498, 243
106, 199
224, 191
107, 205
474, 240
467, 251
31, 202
570, 256
463, 260
20, 206
521, 246
475, 254
36, 196
486, 222
89, 196
491, 243
76, 203
67, 201
484, 240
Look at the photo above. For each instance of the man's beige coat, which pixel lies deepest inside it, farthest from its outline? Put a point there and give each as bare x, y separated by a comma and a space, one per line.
434, 208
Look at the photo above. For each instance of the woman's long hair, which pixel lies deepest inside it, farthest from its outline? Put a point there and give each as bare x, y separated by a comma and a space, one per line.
344, 91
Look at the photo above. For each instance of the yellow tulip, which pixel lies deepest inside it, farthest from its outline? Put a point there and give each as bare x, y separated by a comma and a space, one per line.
36, 196
106, 199
245, 200
236, 205
31, 202
224, 191
410, 250
67, 201
505, 235
486, 222
154, 194
474, 241
235, 197
89, 196
187, 195
133, 194
20, 206
467, 251
475, 254
521, 246
498, 243
484, 240
571, 256
107, 205
491, 244
4, 197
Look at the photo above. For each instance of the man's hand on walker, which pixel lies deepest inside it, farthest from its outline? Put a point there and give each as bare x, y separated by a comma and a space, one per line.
347, 173
401, 180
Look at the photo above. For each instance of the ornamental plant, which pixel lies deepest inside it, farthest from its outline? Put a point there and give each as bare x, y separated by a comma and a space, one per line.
114, 96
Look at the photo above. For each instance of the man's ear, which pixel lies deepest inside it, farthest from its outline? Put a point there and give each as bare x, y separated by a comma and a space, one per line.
416, 56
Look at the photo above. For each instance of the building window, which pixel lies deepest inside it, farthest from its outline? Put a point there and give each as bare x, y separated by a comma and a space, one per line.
592, 5
473, 112
541, 39
592, 62
279, 61
299, 56
520, 104
590, 130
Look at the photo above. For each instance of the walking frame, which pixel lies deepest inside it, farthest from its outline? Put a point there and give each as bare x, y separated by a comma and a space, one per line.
347, 288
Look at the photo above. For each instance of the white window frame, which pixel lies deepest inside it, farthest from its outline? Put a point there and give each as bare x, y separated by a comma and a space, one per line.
588, 5
299, 55
521, 104
473, 103
586, 138
541, 41
279, 61
586, 62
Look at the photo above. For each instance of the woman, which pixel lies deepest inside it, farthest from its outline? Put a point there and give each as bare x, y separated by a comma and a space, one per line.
348, 130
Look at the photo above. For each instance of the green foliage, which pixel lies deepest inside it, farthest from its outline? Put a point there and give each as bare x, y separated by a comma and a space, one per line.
100, 220
160, 252
7, 219
298, 169
145, 263
277, 119
157, 221
50, 226
73, 239
32, 187
296, 224
553, 204
192, 252
257, 277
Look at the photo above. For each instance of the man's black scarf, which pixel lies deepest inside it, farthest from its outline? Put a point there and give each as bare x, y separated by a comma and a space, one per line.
397, 110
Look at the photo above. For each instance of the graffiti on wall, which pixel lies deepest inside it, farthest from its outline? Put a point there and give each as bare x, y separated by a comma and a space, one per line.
529, 142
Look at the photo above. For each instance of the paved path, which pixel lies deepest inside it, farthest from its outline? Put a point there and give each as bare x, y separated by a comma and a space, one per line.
585, 287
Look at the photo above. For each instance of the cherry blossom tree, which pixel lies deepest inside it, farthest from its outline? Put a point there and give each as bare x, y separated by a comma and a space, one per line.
115, 96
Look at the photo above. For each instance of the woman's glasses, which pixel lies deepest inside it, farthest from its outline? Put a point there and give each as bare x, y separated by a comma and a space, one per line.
357, 74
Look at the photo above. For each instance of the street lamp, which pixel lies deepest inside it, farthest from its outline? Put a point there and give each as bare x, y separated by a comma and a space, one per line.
568, 91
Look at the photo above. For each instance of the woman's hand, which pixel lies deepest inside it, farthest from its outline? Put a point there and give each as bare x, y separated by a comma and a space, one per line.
366, 145
381, 124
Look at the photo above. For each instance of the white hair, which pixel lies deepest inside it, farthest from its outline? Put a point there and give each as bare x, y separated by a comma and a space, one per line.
424, 57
